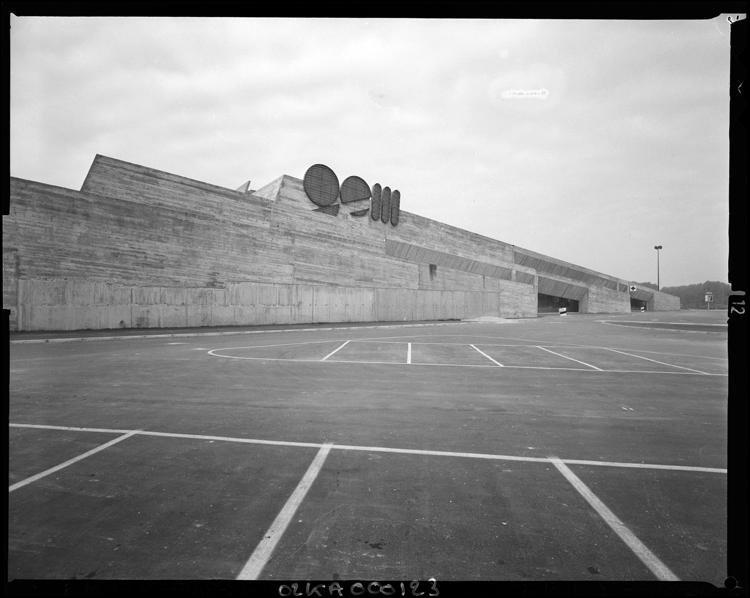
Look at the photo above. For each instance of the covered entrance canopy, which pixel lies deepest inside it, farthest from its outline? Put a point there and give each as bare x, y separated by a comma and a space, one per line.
641, 298
554, 294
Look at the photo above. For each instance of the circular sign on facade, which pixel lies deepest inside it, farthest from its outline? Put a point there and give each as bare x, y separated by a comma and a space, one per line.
321, 185
354, 188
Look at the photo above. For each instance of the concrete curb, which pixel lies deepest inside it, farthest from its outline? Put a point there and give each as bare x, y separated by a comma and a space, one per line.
647, 327
227, 333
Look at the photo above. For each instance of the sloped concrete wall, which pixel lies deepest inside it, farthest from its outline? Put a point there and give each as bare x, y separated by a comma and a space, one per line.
140, 248
137, 248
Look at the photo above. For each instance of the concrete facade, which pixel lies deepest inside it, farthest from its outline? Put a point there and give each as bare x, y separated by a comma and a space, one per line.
656, 300
141, 248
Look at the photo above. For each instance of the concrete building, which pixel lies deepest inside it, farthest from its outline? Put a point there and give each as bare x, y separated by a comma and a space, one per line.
141, 248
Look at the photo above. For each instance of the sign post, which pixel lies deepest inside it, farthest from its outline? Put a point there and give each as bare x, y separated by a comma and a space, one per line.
709, 299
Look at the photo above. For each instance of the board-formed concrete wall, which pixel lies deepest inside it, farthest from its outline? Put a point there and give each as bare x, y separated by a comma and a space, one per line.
79, 304
603, 300
655, 300
663, 302
141, 248
10, 284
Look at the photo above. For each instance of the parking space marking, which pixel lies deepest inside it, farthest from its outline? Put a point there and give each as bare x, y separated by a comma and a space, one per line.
335, 351
648, 558
487, 356
45, 427
677, 354
590, 368
230, 439
380, 449
264, 550
667, 323
530, 343
282, 345
566, 357
659, 362
645, 466
378, 341
408, 353
38, 476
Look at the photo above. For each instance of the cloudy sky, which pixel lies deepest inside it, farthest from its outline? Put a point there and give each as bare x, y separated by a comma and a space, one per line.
589, 141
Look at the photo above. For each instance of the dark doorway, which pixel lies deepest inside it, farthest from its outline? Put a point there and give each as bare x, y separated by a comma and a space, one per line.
550, 304
637, 304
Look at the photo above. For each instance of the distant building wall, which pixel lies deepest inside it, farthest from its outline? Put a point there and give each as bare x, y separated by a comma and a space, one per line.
603, 300
654, 300
10, 284
663, 302
140, 248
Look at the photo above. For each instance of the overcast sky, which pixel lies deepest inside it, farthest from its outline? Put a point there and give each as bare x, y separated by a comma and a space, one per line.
589, 141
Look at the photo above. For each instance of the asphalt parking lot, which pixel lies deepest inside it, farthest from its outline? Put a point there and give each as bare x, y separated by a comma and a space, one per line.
561, 448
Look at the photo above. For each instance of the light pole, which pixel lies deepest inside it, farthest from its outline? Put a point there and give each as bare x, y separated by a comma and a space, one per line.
657, 247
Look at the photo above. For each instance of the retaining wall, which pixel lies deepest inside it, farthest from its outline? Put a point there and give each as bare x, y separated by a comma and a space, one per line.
141, 248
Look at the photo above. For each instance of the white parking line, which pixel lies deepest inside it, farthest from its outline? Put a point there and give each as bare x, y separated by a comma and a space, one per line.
333, 352
34, 478
528, 343
571, 359
408, 353
487, 356
484, 344
648, 558
378, 341
381, 449
667, 323
264, 550
677, 354
659, 362
281, 345
467, 365
74, 429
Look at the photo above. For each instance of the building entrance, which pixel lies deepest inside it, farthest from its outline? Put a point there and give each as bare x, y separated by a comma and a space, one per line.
551, 304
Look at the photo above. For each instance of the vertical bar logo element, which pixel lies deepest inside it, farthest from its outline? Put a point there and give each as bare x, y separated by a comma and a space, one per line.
377, 192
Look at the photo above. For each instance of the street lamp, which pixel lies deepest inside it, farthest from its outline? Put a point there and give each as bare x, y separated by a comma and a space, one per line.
657, 247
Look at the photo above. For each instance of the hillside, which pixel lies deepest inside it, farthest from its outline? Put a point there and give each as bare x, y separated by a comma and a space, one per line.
693, 296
